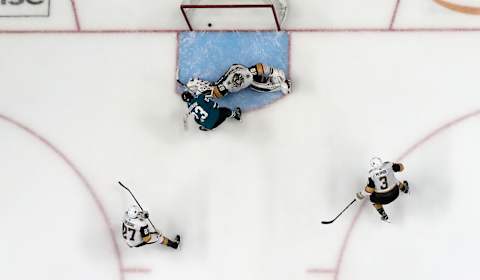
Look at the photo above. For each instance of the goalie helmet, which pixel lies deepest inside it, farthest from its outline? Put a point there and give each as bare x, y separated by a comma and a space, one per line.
134, 212
238, 79
376, 162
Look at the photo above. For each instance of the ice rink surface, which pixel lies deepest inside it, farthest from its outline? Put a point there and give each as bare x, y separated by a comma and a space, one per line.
88, 99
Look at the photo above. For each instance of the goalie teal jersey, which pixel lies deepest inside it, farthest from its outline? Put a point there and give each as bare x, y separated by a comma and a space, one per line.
204, 110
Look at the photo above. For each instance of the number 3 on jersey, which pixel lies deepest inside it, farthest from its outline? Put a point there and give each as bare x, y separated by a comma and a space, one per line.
384, 185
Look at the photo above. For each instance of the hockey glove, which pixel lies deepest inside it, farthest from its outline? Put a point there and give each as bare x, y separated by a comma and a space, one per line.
360, 196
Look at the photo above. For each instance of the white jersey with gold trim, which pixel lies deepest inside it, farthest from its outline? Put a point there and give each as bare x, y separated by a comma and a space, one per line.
134, 231
384, 178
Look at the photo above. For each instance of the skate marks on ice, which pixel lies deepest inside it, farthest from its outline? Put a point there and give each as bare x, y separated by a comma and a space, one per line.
118, 259
335, 272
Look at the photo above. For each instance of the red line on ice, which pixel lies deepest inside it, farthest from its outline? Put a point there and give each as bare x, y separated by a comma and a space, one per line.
289, 55
383, 30
89, 31
437, 131
84, 181
136, 270
320, 270
293, 30
177, 53
411, 149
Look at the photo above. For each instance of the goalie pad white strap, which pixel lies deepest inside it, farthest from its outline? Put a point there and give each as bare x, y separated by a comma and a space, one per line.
275, 80
266, 87
277, 76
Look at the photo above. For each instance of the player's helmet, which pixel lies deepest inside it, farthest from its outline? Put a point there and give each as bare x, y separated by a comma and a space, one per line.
134, 212
376, 162
187, 96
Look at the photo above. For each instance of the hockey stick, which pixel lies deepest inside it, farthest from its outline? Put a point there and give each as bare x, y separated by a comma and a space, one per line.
184, 88
329, 222
138, 203
180, 82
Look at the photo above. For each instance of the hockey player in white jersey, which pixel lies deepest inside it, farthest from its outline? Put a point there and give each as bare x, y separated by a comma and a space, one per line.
383, 187
259, 77
136, 232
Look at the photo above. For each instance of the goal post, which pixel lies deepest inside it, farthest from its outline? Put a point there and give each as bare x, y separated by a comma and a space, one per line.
236, 15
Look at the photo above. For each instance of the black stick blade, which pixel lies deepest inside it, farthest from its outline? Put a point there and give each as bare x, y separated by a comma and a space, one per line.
339, 214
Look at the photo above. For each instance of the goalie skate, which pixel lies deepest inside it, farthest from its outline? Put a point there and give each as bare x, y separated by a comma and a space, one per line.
286, 87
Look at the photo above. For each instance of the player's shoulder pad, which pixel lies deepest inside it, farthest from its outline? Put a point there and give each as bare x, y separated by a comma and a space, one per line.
397, 167
370, 183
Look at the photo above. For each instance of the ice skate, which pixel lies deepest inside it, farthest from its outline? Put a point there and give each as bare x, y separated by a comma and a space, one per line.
237, 114
405, 188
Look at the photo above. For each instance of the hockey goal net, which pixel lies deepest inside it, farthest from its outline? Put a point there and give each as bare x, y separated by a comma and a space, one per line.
237, 15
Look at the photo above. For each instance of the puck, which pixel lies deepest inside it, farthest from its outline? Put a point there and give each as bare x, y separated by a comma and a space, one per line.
209, 24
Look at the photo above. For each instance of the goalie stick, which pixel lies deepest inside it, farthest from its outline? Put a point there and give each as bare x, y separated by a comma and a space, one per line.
138, 203
180, 83
329, 222
184, 88
183, 85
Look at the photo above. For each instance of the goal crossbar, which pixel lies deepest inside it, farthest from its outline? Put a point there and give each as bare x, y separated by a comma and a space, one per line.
183, 7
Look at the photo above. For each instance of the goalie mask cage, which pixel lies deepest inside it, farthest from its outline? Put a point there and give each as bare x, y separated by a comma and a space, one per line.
236, 15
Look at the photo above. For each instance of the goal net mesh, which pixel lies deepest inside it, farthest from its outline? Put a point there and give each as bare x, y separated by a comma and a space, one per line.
234, 14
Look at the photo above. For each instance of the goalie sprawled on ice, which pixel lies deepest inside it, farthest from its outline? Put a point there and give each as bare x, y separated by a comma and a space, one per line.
259, 77
199, 94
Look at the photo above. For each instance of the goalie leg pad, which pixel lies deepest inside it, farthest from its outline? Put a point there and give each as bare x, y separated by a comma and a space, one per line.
265, 87
277, 76
269, 79
237, 77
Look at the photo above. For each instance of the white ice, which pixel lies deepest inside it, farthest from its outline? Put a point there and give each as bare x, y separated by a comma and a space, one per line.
247, 198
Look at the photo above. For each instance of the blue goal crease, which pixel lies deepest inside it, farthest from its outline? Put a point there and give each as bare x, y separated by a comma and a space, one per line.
207, 55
